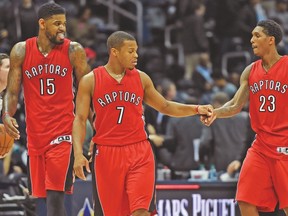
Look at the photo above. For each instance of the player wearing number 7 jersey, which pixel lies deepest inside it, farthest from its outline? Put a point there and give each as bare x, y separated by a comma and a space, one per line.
124, 166
264, 174
44, 66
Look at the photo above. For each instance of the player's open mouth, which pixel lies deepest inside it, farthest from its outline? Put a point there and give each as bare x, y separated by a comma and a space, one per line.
61, 35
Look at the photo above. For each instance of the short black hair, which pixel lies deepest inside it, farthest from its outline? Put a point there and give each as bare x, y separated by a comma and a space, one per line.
3, 56
49, 9
116, 39
272, 28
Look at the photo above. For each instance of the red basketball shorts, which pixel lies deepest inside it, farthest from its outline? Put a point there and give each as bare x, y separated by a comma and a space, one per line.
263, 181
51, 170
124, 179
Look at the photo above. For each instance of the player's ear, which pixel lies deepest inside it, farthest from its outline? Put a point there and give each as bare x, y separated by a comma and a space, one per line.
271, 40
114, 51
41, 23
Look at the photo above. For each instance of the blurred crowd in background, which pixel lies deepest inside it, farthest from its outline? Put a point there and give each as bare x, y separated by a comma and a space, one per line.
194, 51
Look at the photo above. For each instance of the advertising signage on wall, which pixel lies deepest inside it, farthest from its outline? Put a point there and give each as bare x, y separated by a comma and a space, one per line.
173, 199
204, 199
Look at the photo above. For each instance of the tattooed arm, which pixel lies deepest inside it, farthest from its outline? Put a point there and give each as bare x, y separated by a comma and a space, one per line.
10, 101
78, 59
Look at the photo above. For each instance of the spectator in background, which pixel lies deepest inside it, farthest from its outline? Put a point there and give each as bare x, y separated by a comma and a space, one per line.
222, 84
81, 30
279, 13
226, 31
181, 154
4, 70
249, 15
91, 57
225, 139
4, 24
234, 78
193, 37
157, 122
202, 79
25, 20
235, 165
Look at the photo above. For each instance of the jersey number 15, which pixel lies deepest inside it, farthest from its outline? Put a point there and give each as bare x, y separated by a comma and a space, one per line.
47, 86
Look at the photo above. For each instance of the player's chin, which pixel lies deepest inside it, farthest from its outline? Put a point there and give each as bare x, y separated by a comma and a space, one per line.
131, 67
60, 41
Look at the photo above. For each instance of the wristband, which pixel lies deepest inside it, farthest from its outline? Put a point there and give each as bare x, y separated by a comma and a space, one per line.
196, 109
5, 114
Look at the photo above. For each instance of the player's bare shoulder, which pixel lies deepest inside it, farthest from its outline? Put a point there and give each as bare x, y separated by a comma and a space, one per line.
145, 79
88, 81
76, 52
246, 73
18, 52
74, 47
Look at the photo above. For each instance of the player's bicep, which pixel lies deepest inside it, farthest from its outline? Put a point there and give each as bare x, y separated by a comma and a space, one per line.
78, 59
151, 96
242, 95
17, 56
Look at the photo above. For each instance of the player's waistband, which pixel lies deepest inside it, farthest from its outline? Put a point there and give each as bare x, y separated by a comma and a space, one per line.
282, 150
63, 138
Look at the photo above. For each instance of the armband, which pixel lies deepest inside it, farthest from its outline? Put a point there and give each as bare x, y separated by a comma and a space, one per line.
197, 109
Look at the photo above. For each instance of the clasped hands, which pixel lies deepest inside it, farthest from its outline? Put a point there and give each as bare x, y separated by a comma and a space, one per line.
207, 114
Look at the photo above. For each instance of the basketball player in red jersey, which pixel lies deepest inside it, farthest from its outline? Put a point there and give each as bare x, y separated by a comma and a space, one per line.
264, 174
44, 66
124, 166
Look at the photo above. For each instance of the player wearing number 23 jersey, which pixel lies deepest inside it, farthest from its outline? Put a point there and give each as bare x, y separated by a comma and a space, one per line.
263, 177
268, 99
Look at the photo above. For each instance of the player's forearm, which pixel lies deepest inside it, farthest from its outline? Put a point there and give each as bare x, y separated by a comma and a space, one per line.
227, 110
78, 135
179, 110
10, 103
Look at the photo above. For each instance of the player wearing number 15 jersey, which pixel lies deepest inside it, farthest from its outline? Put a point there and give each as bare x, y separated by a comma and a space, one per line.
263, 177
46, 66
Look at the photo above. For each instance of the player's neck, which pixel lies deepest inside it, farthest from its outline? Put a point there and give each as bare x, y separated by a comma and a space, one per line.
269, 62
44, 46
114, 73
114, 70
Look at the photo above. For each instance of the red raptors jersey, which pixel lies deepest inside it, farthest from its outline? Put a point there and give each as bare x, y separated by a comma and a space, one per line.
48, 95
118, 108
268, 106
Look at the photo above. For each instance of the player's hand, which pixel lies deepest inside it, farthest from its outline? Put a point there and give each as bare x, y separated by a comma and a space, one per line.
207, 114
156, 139
207, 120
233, 166
11, 126
206, 110
80, 161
